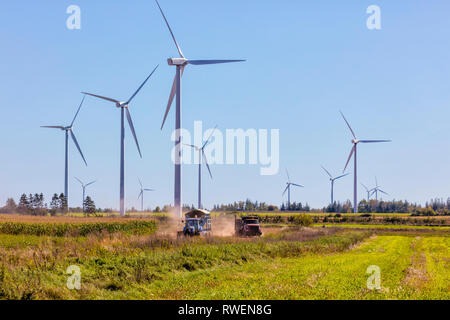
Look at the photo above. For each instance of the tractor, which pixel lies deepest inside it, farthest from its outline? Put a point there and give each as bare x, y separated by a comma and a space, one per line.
197, 222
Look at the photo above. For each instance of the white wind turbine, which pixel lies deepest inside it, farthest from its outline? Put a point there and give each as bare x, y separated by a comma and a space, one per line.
369, 191
84, 186
355, 143
180, 64
377, 189
333, 179
141, 194
201, 153
288, 188
124, 107
67, 130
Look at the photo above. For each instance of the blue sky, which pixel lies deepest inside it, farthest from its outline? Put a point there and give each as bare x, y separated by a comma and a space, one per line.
306, 61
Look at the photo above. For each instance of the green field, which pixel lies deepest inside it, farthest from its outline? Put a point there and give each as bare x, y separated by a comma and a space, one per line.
293, 264
411, 268
135, 258
377, 226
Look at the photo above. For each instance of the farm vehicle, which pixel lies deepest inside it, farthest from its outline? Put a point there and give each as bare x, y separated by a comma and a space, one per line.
196, 223
247, 226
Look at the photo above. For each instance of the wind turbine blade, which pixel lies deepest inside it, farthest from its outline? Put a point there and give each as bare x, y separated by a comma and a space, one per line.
206, 162
348, 124
376, 182
80, 181
287, 173
374, 141
91, 183
286, 190
210, 136
141, 194
205, 62
81, 104
149, 190
191, 145
297, 185
53, 127
140, 182
78, 146
101, 97
367, 189
383, 192
170, 29
344, 175
130, 122
351, 154
171, 97
327, 172
139, 89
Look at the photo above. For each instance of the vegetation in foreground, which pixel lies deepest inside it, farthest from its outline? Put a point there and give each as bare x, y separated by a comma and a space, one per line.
128, 267
411, 268
118, 262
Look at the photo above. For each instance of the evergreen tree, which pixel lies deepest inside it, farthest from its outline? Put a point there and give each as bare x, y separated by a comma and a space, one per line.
11, 206
89, 206
55, 205
23, 204
63, 203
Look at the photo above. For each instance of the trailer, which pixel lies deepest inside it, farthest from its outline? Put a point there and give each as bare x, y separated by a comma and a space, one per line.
196, 223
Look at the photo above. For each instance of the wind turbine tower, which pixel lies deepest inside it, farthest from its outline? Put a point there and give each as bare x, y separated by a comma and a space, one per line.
180, 64
353, 153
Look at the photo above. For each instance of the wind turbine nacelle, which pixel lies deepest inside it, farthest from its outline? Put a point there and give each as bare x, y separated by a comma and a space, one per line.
176, 61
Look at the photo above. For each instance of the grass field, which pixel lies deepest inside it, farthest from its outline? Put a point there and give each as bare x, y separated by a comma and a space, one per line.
388, 227
128, 260
411, 268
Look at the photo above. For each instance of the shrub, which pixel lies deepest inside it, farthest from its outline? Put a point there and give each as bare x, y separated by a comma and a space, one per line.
426, 212
302, 220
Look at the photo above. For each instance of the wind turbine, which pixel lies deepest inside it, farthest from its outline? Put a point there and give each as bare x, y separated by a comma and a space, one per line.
68, 129
377, 189
288, 188
180, 63
333, 179
124, 107
141, 194
368, 192
84, 186
355, 142
201, 153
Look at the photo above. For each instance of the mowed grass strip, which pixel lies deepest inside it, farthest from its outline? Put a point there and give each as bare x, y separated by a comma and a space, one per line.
318, 276
380, 226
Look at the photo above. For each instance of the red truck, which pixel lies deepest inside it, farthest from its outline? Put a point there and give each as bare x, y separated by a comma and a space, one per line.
247, 226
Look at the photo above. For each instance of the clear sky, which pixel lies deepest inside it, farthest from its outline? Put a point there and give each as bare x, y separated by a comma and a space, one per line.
306, 61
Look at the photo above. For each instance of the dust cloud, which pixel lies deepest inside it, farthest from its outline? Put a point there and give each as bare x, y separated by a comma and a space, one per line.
223, 226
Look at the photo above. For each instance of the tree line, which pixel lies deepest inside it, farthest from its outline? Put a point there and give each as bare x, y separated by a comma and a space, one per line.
247, 205
34, 204
435, 206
